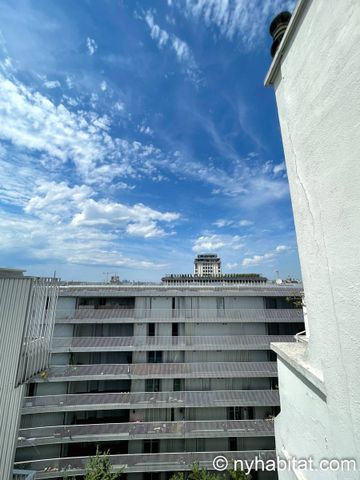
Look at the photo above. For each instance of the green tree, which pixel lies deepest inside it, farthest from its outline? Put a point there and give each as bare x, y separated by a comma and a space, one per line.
237, 474
199, 473
99, 467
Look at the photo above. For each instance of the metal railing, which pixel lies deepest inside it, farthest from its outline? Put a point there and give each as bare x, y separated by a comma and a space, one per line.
301, 337
23, 475
127, 400
160, 370
140, 462
108, 315
99, 344
144, 430
39, 326
258, 290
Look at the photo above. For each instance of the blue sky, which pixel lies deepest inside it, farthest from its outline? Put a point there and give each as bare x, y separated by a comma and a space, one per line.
137, 134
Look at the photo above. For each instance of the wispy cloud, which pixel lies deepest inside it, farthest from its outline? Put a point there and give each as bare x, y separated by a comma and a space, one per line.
280, 168
33, 122
235, 19
52, 84
91, 46
265, 257
222, 222
180, 47
212, 242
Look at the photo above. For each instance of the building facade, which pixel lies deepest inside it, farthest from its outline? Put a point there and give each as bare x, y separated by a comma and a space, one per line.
315, 74
27, 314
207, 265
160, 376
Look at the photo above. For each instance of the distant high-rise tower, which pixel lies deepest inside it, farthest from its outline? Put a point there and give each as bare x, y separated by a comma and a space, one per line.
207, 264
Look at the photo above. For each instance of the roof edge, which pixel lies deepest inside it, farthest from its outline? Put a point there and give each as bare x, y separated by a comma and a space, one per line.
289, 33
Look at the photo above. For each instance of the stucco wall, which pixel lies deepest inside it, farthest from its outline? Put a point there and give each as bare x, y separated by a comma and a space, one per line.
318, 98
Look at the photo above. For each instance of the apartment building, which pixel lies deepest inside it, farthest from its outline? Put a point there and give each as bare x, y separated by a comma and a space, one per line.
161, 376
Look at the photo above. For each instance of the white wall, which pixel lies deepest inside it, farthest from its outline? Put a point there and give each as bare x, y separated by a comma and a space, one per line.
318, 97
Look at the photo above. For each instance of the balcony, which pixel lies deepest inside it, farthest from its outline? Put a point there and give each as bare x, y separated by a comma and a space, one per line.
29, 437
116, 401
23, 475
160, 370
106, 315
150, 462
129, 344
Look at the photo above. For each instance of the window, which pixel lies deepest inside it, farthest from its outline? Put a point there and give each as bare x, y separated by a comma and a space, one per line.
232, 444
154, 357
31, 389
178, 385
151, 446
151, 329
152, 476
240, 413
152, 385
175, 329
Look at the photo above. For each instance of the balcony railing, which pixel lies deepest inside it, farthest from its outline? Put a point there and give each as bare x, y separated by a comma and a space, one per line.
38, 328
23, 475
106, 315
160, 370
118, 401
144, 430
151, 462
128, 344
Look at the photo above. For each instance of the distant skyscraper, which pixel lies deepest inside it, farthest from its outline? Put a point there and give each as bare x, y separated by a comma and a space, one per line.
207, 264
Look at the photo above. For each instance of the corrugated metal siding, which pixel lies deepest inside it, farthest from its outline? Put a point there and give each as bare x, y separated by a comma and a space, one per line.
27, 316
14, 295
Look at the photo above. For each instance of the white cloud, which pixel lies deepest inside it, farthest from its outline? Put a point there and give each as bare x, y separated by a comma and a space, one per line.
103, 86
212, 242
245, 223
146, 130
139, 220
181, 48
242, 19
34, 123
91, 45
119, 106
264, 258
52, 84
221, 222
231, 266
69, 81
279, 168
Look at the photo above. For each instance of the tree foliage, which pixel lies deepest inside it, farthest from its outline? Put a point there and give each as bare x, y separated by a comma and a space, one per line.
200, 473
99, 467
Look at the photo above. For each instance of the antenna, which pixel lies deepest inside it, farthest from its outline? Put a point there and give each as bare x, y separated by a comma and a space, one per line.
107, 276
